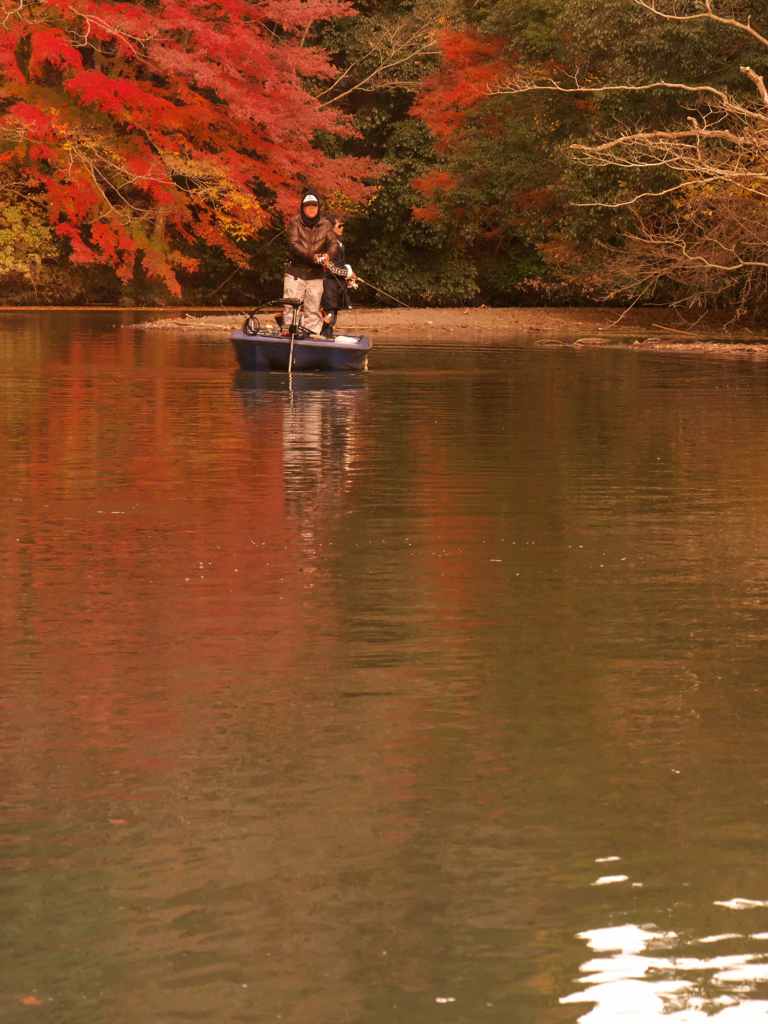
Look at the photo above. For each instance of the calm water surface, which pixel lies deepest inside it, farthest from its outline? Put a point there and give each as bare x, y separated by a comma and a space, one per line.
432, 695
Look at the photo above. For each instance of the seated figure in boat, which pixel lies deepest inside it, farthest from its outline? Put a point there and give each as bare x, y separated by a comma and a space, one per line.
339, 278
310, 240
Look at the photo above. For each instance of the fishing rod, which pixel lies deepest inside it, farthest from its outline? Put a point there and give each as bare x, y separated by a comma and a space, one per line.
347, 274
382, 292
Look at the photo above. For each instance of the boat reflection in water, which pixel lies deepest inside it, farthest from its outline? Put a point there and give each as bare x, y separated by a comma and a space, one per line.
315, 422
254, 387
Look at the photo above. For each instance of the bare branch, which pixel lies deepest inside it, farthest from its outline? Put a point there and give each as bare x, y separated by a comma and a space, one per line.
659, 136
131, 41
707, 15
514, 87
758, 82
395, 46
341, 77
379, 72
638, 198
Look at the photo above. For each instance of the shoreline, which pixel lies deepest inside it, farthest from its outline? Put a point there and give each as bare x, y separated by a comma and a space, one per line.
656, 329
569, 326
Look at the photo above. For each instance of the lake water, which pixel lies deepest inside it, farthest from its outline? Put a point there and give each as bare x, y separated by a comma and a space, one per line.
435, 694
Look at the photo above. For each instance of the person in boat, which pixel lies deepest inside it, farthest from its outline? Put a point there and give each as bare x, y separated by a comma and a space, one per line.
339, 278
310, 240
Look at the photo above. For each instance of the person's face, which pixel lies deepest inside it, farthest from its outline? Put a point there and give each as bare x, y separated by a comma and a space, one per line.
338, 228
311, 210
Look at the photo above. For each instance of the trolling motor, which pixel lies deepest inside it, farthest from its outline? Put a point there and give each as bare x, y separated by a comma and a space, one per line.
294, 328
253, 326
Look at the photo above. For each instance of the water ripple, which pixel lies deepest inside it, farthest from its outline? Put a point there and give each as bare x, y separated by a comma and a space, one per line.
645, 979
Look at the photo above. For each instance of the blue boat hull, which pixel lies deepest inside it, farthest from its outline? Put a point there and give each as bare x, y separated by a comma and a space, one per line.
269, 352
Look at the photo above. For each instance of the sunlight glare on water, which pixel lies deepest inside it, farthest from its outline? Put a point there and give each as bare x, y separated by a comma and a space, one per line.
636, 983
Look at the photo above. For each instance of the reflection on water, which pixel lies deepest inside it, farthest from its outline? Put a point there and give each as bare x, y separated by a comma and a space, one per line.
644, 977
319, 420
320, 423
432, 693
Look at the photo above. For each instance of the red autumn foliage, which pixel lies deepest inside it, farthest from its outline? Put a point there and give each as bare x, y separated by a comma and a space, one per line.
433, 185
147, 129
427, 214
434, 182
470, 64
52, 46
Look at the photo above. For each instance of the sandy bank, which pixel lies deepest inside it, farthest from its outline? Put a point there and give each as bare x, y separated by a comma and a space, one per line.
649, 328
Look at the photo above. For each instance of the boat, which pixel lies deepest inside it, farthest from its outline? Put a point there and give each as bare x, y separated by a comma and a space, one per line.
259, 346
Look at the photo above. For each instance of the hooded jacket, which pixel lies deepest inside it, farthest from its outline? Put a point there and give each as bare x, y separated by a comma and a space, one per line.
307, 239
